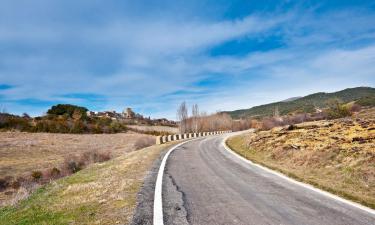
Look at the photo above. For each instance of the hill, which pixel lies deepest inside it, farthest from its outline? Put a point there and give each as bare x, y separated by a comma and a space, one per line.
309, 103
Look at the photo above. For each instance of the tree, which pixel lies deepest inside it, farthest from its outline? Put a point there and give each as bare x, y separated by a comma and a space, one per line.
66, 109
195, 118
182, 116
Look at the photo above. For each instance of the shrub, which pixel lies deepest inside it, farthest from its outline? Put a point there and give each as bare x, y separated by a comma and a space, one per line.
337, 110
73, 166
144, 142
16, 184
4, 184
269, 123
36, 175
8, 121
94, 157
78, 127
20, 181
54, 172
103, 156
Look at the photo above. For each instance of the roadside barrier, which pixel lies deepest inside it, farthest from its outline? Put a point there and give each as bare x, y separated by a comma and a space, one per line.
175, 137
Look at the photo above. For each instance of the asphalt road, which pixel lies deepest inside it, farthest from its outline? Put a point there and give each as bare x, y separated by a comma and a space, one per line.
205, 184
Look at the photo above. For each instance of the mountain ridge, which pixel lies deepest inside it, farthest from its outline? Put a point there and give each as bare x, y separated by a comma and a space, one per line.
306, 104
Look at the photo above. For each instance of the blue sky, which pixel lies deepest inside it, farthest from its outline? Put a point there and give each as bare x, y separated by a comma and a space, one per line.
151, 55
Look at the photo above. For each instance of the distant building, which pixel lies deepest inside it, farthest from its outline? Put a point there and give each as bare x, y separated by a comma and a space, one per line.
91, 113
128, 113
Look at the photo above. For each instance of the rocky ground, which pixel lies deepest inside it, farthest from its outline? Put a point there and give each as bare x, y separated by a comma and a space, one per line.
336, 155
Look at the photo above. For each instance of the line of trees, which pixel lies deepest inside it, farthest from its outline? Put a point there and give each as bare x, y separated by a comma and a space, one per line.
202, 122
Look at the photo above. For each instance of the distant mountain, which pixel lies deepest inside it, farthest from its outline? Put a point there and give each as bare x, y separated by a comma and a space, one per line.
306, 104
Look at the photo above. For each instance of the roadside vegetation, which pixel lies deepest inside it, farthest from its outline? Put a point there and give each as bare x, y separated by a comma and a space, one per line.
102, 193
335, 110
198, 121
337, 155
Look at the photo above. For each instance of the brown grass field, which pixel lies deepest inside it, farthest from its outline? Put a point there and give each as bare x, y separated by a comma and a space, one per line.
103, 193
24, 152
21, 154
172, 130
335, 155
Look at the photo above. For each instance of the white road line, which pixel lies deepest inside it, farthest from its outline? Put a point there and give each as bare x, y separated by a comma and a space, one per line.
308, 186
158, 200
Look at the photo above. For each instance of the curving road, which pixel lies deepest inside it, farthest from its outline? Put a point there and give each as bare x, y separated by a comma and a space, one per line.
205, 184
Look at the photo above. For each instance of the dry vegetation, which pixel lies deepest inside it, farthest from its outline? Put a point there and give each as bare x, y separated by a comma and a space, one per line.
161, 129
103, 193
30, 159
336, 155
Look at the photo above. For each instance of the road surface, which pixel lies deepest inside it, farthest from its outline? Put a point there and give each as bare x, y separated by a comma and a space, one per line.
205, 184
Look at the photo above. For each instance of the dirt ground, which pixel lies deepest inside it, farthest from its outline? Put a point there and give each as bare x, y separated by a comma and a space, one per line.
22, 153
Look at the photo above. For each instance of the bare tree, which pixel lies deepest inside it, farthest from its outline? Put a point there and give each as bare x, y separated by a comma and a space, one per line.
195, 118
276, 112
182, 116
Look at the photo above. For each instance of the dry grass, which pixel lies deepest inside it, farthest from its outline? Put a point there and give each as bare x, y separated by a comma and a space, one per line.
144, 142
336, 155
172, 130
24, 153
100, 194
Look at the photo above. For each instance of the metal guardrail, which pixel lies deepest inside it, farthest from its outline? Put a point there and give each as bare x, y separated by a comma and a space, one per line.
176, 137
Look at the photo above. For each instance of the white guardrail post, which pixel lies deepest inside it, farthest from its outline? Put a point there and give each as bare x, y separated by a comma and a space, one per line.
175, 137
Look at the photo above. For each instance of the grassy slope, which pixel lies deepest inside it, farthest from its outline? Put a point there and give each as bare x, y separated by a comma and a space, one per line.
101, 194
304, 104
21, 153
343, 168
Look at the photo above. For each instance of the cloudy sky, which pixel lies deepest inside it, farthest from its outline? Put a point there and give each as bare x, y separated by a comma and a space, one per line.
151, 55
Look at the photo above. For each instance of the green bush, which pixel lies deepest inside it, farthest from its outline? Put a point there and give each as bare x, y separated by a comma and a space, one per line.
337, 110
67, 109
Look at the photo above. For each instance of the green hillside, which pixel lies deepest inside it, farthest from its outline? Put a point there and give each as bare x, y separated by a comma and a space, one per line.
308, 103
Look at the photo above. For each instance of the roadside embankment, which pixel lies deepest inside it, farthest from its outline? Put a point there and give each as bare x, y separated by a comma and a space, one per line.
336, 155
